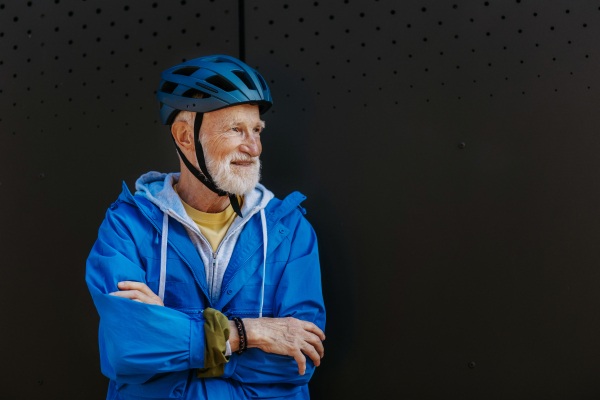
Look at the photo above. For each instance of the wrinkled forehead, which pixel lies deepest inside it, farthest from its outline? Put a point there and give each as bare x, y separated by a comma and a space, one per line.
244, 114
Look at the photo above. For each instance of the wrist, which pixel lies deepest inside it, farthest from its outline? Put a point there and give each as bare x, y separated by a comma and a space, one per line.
252, 332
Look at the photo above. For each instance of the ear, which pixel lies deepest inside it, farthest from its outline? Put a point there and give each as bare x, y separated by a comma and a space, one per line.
184, 135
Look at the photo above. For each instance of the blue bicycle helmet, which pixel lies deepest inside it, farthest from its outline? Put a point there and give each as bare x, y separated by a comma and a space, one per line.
222, 81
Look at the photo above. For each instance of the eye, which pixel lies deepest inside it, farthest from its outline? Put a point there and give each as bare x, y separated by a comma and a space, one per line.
235, 129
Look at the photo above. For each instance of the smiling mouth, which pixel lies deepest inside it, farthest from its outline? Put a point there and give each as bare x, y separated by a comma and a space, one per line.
242, 163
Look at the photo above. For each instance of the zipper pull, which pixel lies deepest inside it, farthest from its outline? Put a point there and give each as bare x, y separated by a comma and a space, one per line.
214, 259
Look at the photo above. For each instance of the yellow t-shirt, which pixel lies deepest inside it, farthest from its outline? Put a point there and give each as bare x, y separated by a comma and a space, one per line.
213, 226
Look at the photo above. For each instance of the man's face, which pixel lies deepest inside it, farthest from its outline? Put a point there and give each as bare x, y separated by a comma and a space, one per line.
230, 138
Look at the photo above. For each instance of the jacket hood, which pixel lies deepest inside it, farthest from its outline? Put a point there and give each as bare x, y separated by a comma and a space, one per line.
157, 188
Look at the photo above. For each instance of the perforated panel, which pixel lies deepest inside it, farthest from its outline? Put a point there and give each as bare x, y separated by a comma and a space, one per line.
449, 153
79, 115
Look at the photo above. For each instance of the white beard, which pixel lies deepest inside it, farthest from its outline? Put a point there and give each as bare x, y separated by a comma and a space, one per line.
231, 178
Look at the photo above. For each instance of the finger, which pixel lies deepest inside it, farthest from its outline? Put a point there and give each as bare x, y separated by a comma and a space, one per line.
128, 294
301, 360
312, 353
131, 294
309, 326
132, 285
315, 341
137, 295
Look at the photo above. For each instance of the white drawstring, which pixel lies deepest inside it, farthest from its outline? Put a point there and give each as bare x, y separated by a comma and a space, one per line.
163, 258
264, 229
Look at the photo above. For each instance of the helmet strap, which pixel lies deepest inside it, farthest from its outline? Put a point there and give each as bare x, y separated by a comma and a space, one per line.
205, 177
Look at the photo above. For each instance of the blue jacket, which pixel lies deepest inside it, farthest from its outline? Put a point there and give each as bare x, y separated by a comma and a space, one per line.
151, 352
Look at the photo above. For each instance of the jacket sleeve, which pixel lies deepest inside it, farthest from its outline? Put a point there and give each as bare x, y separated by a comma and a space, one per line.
298, 295
136, 340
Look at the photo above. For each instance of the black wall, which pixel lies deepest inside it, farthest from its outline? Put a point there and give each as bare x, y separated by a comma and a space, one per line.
449, 271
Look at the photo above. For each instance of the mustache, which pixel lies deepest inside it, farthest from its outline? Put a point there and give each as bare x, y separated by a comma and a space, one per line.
241, 157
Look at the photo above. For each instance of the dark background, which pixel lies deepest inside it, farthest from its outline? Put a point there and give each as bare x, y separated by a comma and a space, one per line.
433, 256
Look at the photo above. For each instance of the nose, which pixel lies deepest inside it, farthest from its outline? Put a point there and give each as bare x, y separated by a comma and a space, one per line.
251, 145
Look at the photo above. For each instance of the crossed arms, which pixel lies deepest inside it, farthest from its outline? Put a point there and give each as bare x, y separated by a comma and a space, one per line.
286, 336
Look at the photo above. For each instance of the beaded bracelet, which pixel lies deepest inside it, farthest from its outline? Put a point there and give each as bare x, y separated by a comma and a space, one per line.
245, 336
242, 335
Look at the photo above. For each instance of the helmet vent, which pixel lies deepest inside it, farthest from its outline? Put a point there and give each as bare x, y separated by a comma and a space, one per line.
187, 71
221, 83
244, 78
262, 82
168, 87
195, 94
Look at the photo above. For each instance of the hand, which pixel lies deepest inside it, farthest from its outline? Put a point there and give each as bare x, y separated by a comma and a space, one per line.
137, 291
286, 336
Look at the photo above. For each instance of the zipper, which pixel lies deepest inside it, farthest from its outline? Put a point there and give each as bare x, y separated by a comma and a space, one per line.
216, 253
214, 271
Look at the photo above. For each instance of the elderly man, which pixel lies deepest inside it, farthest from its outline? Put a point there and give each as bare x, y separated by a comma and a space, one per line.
207, 286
